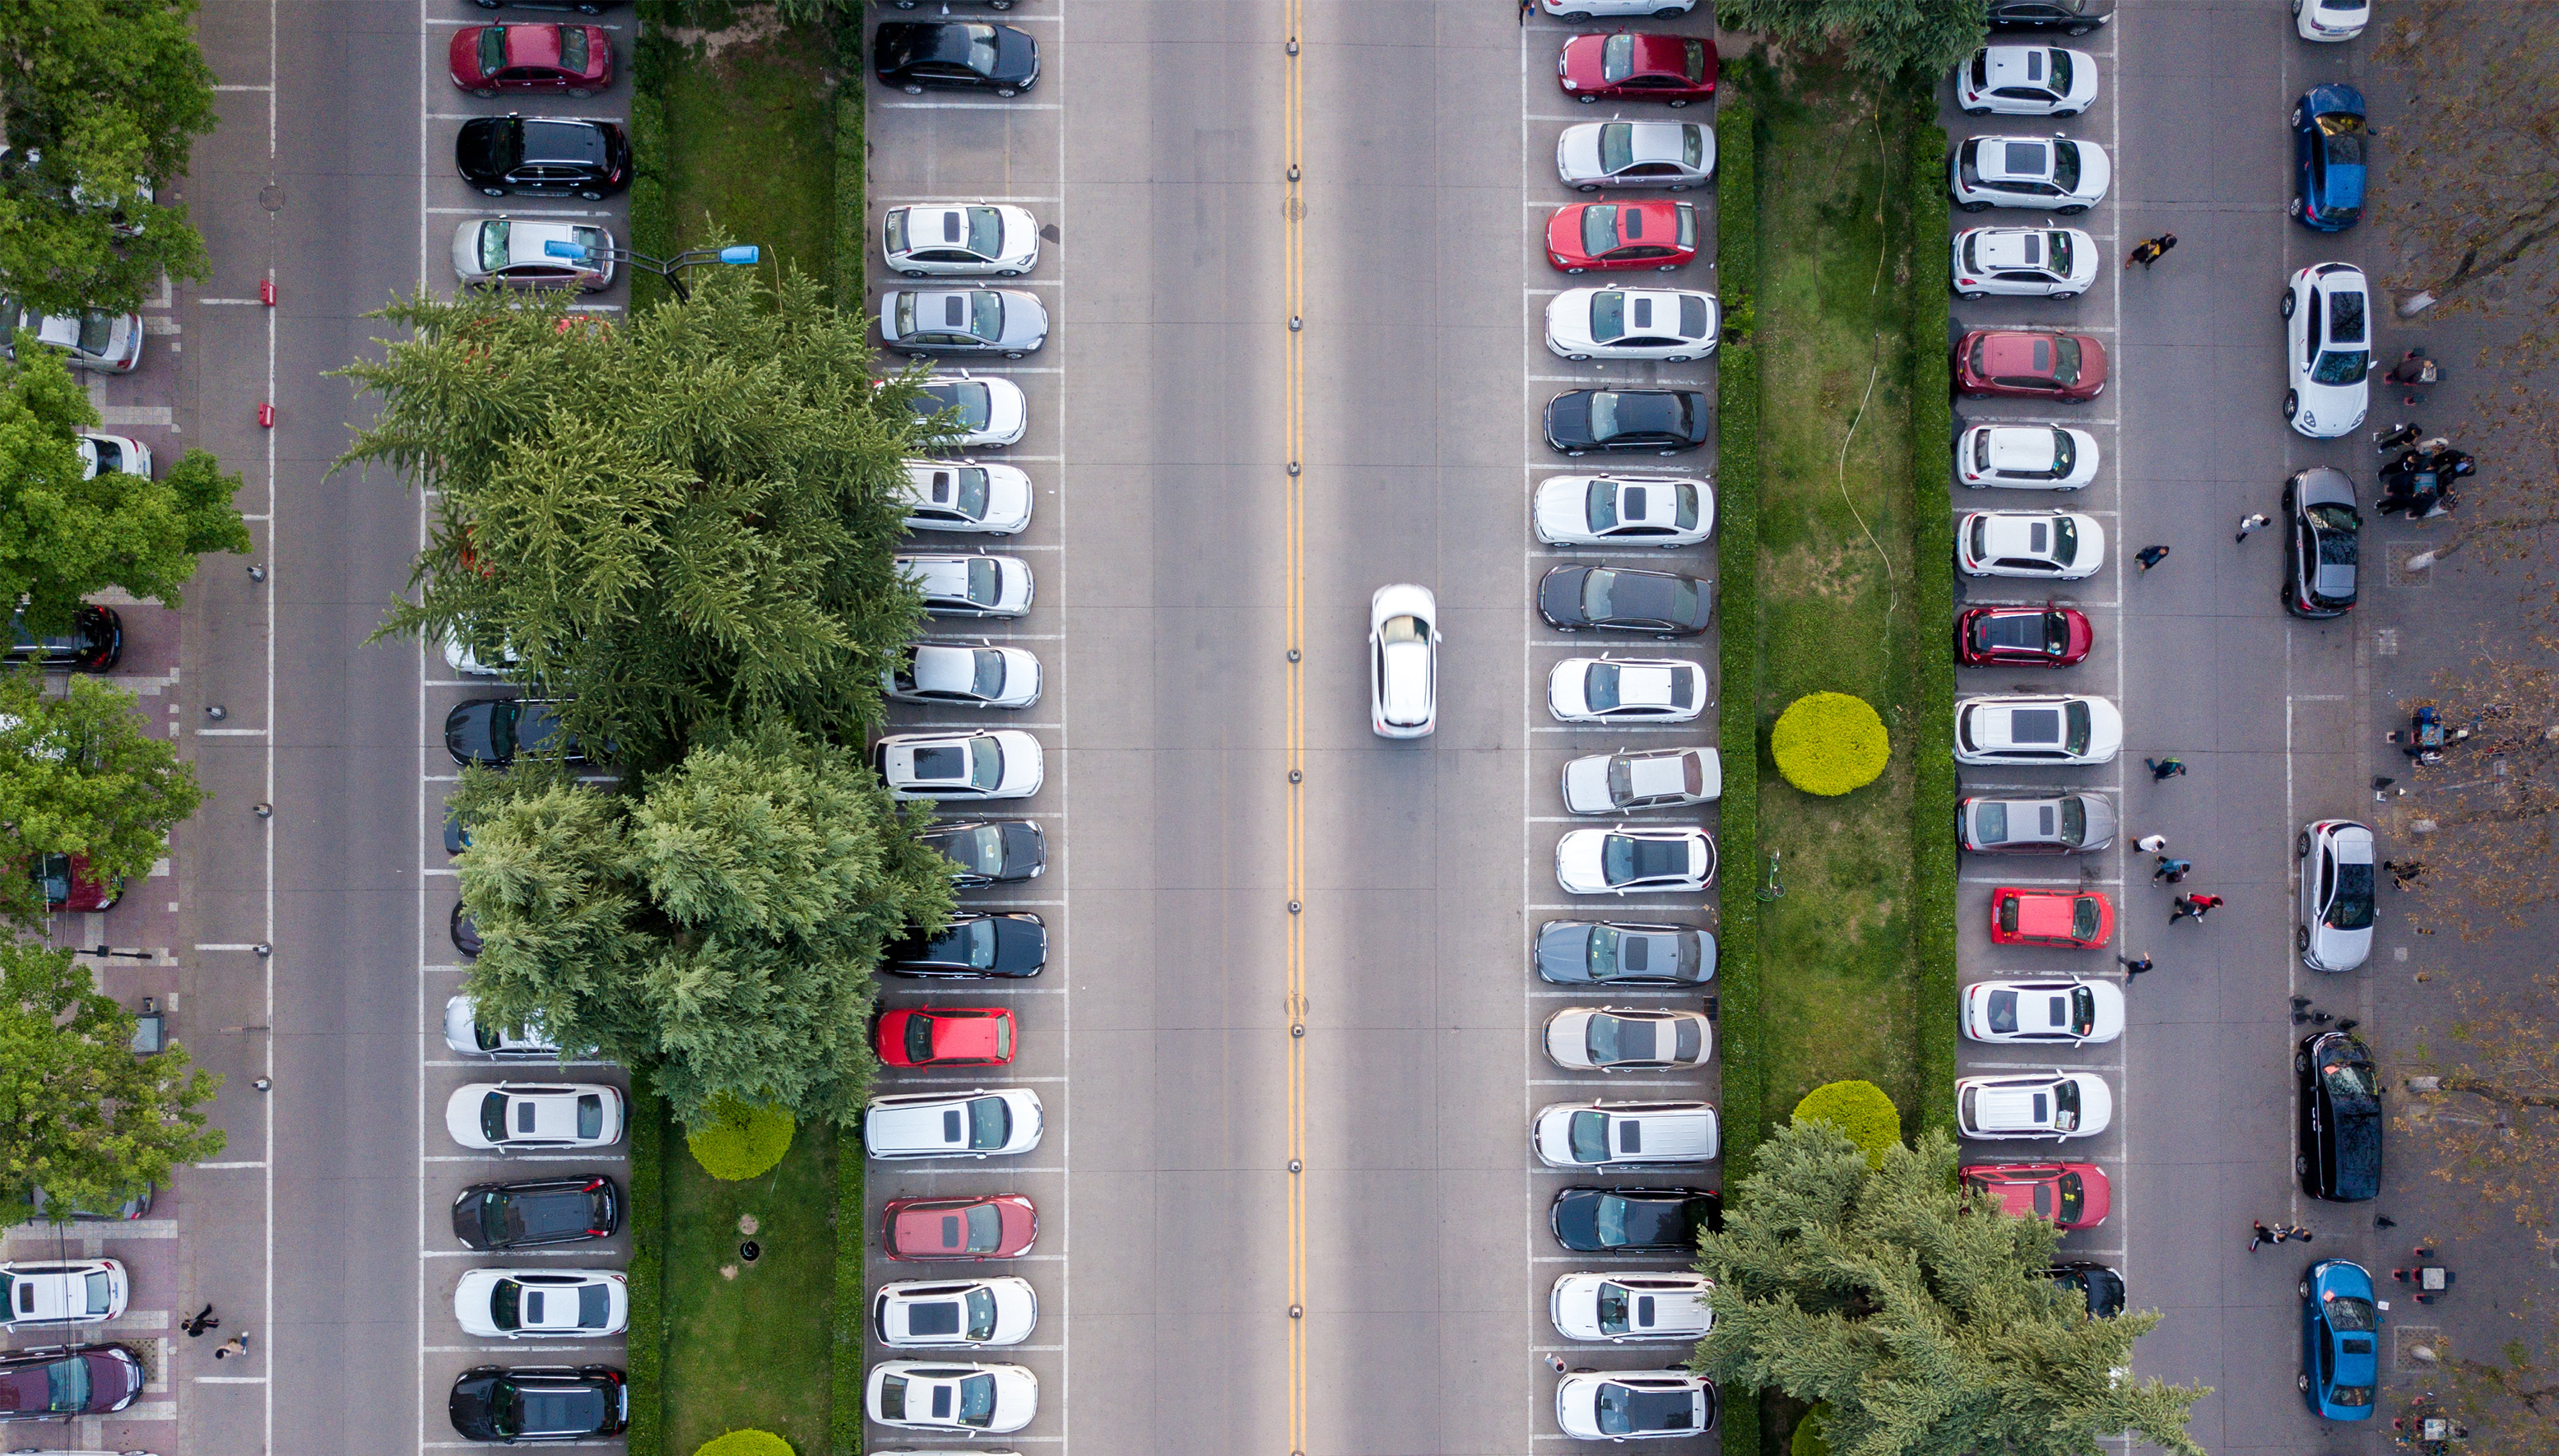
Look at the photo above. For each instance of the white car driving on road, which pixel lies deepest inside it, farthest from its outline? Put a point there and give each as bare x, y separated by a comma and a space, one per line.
1403, 662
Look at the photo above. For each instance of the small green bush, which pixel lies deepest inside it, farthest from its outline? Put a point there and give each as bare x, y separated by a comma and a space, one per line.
1861, 1109
1809, 1440
745, 1443
739, 1142
1830, 743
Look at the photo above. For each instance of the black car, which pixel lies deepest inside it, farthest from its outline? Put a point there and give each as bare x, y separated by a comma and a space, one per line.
493, 1216
543, 156
2100, 1286
974, 947
2323, 539
2070, 17
64, 1382
494, 732
954, 56
1663, 603
1662, 421
466, 934
539, 1403
1585, 952
95, 643
1634, 1219
2340, 1152
986, 852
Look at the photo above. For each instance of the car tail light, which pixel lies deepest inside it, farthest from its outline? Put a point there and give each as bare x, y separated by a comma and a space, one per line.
592, 1184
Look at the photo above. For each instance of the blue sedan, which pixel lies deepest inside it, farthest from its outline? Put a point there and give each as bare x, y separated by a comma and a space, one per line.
2341, 1339
2327, 157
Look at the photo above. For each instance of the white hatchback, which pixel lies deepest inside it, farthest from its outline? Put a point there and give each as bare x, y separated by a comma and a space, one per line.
1623, 510
971, 239
2053, 1104
2330, 20
982, 1123
56, 1293
1672, 325
2069, 1012
1634, 860
2025, 81
2025, 457
2023, 262
2328, 318
543, 1304
516, 1116
2063, 731
924, 1314
1608, 689
1403, 662
996, 762
1673, 155
964, 495
1621, 1305
2334, 932
2055, 546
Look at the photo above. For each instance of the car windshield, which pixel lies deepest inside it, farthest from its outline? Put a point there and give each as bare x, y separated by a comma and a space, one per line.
2065, 1104
1602, 505
2075, 822
2349, 1085
2066, 360
919, 1038
67, 1385
1989, 823
981, 1314
1617, 56
573, 47
1607, 315
1609, 1222
991, 1123
492, 50
1403, 630
985, 1228
2352, 908
1685, 507
493, 245
892, 1397
2060, 71
1606, 942
496, 1224
1613, 1302
507, 1305
985, 231
493, 1116
2083, 1011
2057, 242
981, 580
1687, 225
1616, 146
1600, 690
985, 764
2065, 541
2341, 366
978, 944
2065, 165
1588, 1135
2056, 633
96, 331
981, 846
2073, 1198
1692, 147
2083, 916
1599, 228
2347, 1312
989, 679
982, 48
2076, 715
969, 493
987, 314
973, 401
978, 1401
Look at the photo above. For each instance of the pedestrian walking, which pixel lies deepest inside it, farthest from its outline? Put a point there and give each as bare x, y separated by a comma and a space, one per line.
203, 1321
2134, 966
235, 1344
2203, 902
2163, 770
2384, 1220
2172, 870
2299, 1234
2185, 909
2248, 523
2151, 556
2261, 1236
2150, 251
2151, 843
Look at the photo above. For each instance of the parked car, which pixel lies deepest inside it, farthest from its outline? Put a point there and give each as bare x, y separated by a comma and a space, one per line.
1593, 9
974, 584
48, 1294
524, 1116
1009, 323
2070, 730
1623, 421
2025, 457
569, 59
2100, 1287
2336, 1117
959, 1229
66, 1382
2052, 1011
1634, 860
1630, 782
462, 931
2065, 823
93, 338
1624, 65
2067, 919
1625, 1038
1000, 762
1623, 510
1667, 603
2328, 313
515, 252
67, 884
2023, 262
1673, 326
2056, 1105
492, 732
1403, 662
1583, 953
2335, 931
1635, 1404
2031, 363
2047, 174
537, 1214
946, 1036
95, 643
543, 156
2055, 546
1623, 1304
1007, 946
984, 1123
104, 454
1608, 689
962, 676
964, 240
1607, 237
2330, 20
954, 56
1674, 155
2070, 17
2328, 140
1626, 1134
2025, 81
914, 1314
2341, 1339
117, 1211
2071, 1194
544, 1303
984, 1399
965, 496
467, 1036
2323, 542
985, 852
1621, 1219
2029, 637
982, 413
539, 1403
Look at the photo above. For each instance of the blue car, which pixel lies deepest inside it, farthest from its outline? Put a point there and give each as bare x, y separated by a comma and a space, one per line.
2327, 157
2341, 1339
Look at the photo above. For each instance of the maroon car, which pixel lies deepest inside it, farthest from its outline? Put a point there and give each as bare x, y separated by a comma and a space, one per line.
1631, 67
68, 885
63, 1381
999, 1226
2040, 636
2030, 363
489, 59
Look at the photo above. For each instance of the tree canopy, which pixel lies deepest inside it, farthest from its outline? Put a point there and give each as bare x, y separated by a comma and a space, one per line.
1919, 1311
80, 1116
1885, 39
81, 773
719, 928
681, 523
100, 101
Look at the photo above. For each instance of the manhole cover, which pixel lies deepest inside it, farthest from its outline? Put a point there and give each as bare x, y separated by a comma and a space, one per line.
1295, 210
750, 1250
271, 197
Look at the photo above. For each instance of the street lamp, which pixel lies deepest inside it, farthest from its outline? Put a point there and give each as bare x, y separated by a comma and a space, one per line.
740, 254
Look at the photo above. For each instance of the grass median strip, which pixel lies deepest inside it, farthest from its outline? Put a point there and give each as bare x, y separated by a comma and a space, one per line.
751, 1343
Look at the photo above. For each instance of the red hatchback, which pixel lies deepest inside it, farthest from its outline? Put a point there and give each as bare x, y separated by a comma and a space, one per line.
2039, 637
2031, 363
947, 1036
489, 59
2050, 918
1000, 1226
1608, 237
1631, 67
2071, 1194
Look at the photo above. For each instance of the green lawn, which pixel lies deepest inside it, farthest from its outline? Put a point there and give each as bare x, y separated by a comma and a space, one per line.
751, 1344
751, 148
1838, 599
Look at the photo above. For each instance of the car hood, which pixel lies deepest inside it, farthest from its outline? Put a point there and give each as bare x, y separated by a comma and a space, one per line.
2096, 169
1585, 784
1576, 152
1563, 952
486, 146
1559, 595
1577, 859
1016, 55
1568, 418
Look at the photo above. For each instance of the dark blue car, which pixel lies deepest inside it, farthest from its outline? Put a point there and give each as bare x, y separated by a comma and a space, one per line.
2327, 157
2341, 1339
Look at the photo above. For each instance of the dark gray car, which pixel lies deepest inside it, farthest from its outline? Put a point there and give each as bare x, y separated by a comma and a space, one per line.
2070, 824
1583, 953
1665, 602
986, 852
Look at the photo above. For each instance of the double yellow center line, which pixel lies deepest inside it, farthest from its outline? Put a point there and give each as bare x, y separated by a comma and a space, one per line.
1293, 420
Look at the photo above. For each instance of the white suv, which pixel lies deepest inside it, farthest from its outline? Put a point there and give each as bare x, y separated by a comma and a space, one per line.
2053, 1104
970, 1124
2047, 174
2327, 317
1403, 662
1626, 1135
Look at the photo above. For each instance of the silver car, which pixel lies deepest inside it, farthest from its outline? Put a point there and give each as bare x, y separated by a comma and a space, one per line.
969, 585
1673, 155
1626, 783
2068, 823
951, 242
1001, 322
2336, 929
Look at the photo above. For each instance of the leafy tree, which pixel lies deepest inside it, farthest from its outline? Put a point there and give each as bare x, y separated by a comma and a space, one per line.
97, 99
1886, 39
2483, 205
1922, 1315
81, 775
2485, 1100
80, 1116
62, 537
683, 522
2481, 825
720, 928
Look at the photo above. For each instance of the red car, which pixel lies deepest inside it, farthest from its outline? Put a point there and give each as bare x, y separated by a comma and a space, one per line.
67, 885
2050, 918
966, 1230
1631, 67
947, 1036
489, 59
1608, 237
2031, 363
2040, 636
2071, 1194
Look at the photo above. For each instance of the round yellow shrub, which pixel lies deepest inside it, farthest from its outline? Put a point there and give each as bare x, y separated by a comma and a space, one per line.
1861, 1109
745, 1443
737, 1140
1829, 743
